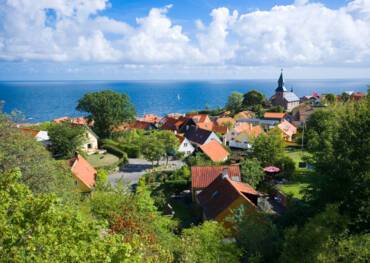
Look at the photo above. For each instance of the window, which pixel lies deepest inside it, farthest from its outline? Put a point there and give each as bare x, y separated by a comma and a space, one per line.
89, 145
186, 144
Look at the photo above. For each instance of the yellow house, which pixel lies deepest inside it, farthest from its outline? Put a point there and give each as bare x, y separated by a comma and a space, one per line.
83, 173
223, 196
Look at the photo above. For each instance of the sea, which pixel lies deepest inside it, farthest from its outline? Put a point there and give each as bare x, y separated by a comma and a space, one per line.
46, 100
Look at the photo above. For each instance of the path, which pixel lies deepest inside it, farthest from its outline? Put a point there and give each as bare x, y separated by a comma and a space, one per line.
131, 172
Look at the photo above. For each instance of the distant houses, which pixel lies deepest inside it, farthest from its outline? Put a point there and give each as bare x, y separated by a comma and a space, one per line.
40, 136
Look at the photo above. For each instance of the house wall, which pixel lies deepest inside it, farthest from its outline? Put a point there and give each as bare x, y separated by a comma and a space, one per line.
186, 147
291, 105
222, 217
80, 186
211, 137
92, 140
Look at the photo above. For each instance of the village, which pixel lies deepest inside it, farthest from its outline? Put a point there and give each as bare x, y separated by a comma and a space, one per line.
206, 164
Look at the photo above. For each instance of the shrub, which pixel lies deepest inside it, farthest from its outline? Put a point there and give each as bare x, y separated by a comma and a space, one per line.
287, 166
132, 151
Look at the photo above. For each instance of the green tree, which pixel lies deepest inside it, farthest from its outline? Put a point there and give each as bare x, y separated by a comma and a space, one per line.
268, 148
107, 109
345, 97
205, 244
152, 148
66, 138
251, 172
341, 162
40, 172
39, 228
257, 236
234, 102
286, 165
253, 98
330, 98
169, 141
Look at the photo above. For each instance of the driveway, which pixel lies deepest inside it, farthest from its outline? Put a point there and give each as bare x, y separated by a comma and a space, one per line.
131, 172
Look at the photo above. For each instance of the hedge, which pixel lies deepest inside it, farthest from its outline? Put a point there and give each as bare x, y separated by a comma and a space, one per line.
116, 151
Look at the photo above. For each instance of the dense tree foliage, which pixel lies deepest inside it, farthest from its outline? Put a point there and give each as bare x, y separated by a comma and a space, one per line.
66, 139
107, 109
258, 237
251, 172
170, 142
152, 148
206, 244
341, 156
253, 98
268, 148
41, 229
40, 172
234, 102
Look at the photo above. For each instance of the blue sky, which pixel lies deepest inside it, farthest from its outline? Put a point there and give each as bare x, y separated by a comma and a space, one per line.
183, 39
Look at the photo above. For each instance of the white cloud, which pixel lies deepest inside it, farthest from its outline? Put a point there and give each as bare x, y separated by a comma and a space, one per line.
300, 34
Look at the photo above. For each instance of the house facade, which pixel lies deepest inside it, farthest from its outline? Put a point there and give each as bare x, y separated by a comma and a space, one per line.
185, 146
224, 195
284, 98
90, 145
242, 135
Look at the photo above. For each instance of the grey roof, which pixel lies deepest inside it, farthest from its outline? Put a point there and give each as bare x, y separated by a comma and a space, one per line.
259, 121
197, 135
281, 87
290, 96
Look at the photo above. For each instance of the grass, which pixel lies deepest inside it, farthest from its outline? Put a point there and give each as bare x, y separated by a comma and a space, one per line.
293, 189
102, 160
301, 179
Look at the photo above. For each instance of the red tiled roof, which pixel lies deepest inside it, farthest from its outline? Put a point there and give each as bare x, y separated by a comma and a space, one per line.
202, 176
199, 118
174, 124
83, 170
141, 125
61, 119
151, 118
215, 151
221, 193
274, 115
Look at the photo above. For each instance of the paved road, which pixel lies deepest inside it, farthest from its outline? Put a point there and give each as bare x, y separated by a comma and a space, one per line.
131, 172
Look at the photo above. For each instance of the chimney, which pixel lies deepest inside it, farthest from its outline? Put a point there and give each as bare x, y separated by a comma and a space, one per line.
225, 173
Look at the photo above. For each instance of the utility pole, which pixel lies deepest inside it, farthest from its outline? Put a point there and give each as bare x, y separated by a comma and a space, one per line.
304, 124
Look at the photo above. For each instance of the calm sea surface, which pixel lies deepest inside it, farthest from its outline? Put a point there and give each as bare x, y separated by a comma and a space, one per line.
46, 100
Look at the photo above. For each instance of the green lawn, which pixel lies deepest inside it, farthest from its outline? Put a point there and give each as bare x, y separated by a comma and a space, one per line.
294, 189
301, 179
102, 160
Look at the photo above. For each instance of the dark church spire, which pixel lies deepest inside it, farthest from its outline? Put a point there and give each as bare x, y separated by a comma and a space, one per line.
281, 87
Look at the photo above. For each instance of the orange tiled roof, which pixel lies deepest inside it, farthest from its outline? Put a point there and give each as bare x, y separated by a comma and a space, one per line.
151, 118
248, 128
83, 170
215, 151
287, 128
202, 176
61, 119
274, 115
221, 193
224, 121
199, 118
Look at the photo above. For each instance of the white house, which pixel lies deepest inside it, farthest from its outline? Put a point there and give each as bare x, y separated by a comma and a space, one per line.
185, 146
242, 134
90, 144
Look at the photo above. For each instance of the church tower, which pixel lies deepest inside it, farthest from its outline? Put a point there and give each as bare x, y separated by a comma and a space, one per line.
281, 87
